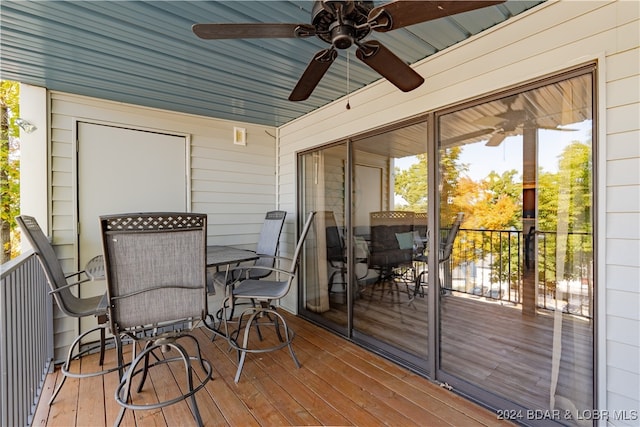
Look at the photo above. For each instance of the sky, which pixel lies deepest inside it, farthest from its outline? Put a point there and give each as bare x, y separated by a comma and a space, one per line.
508, 155
481, 159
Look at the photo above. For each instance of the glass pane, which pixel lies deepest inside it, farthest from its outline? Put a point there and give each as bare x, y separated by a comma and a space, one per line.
390, 236
323, 190
516, 305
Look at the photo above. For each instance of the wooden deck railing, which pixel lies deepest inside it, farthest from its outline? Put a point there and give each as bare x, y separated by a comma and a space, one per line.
26, 338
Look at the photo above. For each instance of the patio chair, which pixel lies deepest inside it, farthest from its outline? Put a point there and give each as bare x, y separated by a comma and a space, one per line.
364, 276
156, 286
267, 247
446, 248
61, 286
392, 241
336, 256
265, 292
420, 234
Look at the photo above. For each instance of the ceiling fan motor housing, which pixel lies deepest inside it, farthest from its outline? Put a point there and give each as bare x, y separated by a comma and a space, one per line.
341, 32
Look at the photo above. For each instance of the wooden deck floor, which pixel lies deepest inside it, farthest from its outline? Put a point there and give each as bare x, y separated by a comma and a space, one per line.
339, 383
486, 343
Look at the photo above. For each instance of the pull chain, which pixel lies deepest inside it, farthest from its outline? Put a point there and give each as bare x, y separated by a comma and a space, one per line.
348, 106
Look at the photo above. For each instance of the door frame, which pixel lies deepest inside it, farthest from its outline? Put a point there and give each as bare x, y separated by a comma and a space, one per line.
75, 176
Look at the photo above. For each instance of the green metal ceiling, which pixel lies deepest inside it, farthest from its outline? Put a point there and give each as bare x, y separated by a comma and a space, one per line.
143, 52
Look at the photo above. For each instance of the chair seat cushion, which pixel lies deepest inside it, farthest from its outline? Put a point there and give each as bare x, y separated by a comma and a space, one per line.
222, 278
260, 289
90, 306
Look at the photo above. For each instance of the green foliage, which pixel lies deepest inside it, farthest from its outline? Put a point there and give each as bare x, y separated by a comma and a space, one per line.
565, 206
411, 184
494, 205
9, 163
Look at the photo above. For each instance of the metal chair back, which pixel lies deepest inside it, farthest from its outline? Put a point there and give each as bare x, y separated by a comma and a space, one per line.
268, 241
66, 300
155, 268
447, 245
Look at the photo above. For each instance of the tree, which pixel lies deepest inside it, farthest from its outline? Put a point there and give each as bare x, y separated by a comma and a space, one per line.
567, 196
493, 206
411, 184
9, 165
451, 169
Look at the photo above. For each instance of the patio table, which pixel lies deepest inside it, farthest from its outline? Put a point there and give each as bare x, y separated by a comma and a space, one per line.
226, 255
95, 268
218, 256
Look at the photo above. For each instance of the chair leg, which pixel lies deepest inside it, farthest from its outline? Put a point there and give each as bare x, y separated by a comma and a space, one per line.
65, 369
103, 334
145, 369
244, 349
57, 390
123, 391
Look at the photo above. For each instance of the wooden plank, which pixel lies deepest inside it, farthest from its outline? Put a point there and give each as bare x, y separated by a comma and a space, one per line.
222, 389
339, 383
41, 414
281, 369
64, 409
411, 399
91, 398
262, 410
111, 381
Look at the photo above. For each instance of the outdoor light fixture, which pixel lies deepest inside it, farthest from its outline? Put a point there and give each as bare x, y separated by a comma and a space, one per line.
26, 125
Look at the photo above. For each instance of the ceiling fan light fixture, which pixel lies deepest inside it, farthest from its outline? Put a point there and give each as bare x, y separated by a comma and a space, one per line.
342, 34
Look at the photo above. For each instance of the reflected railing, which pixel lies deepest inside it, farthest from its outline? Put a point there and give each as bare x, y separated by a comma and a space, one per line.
490, 264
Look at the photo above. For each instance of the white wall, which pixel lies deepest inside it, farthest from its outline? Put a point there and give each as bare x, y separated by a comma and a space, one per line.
547, 39
33, 156
234, 185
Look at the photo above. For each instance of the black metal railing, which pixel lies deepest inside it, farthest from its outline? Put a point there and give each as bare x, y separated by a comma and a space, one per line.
26, 338
491, 263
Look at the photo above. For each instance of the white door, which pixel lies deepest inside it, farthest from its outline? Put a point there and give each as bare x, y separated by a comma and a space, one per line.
125, 170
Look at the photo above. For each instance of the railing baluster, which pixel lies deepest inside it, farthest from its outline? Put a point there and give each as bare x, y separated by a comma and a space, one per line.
497, 254
26, 338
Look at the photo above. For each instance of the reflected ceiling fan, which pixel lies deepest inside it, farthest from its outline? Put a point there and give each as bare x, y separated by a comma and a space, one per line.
509, 123
343, 24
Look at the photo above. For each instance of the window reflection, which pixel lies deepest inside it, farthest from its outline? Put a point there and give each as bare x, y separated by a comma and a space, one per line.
518, 295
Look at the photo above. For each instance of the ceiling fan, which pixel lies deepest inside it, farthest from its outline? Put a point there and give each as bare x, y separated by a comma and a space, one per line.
343, 24
509, 123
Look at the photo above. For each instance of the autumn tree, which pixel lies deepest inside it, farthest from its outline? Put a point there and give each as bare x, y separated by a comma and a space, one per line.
9, 165
493, 208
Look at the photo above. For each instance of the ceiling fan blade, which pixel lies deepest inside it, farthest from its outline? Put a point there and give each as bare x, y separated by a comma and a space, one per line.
556, 128
457, 140
491, 121
496, 139
313, 74
387, 64
252, 31
400, 14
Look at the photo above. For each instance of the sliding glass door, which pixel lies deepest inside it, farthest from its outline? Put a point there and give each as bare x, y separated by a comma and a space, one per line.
488, 286
323, 296
389, 212
516, 302
366, 275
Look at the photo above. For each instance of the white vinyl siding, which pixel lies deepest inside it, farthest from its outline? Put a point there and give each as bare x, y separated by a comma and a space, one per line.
234, 185
549, 38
